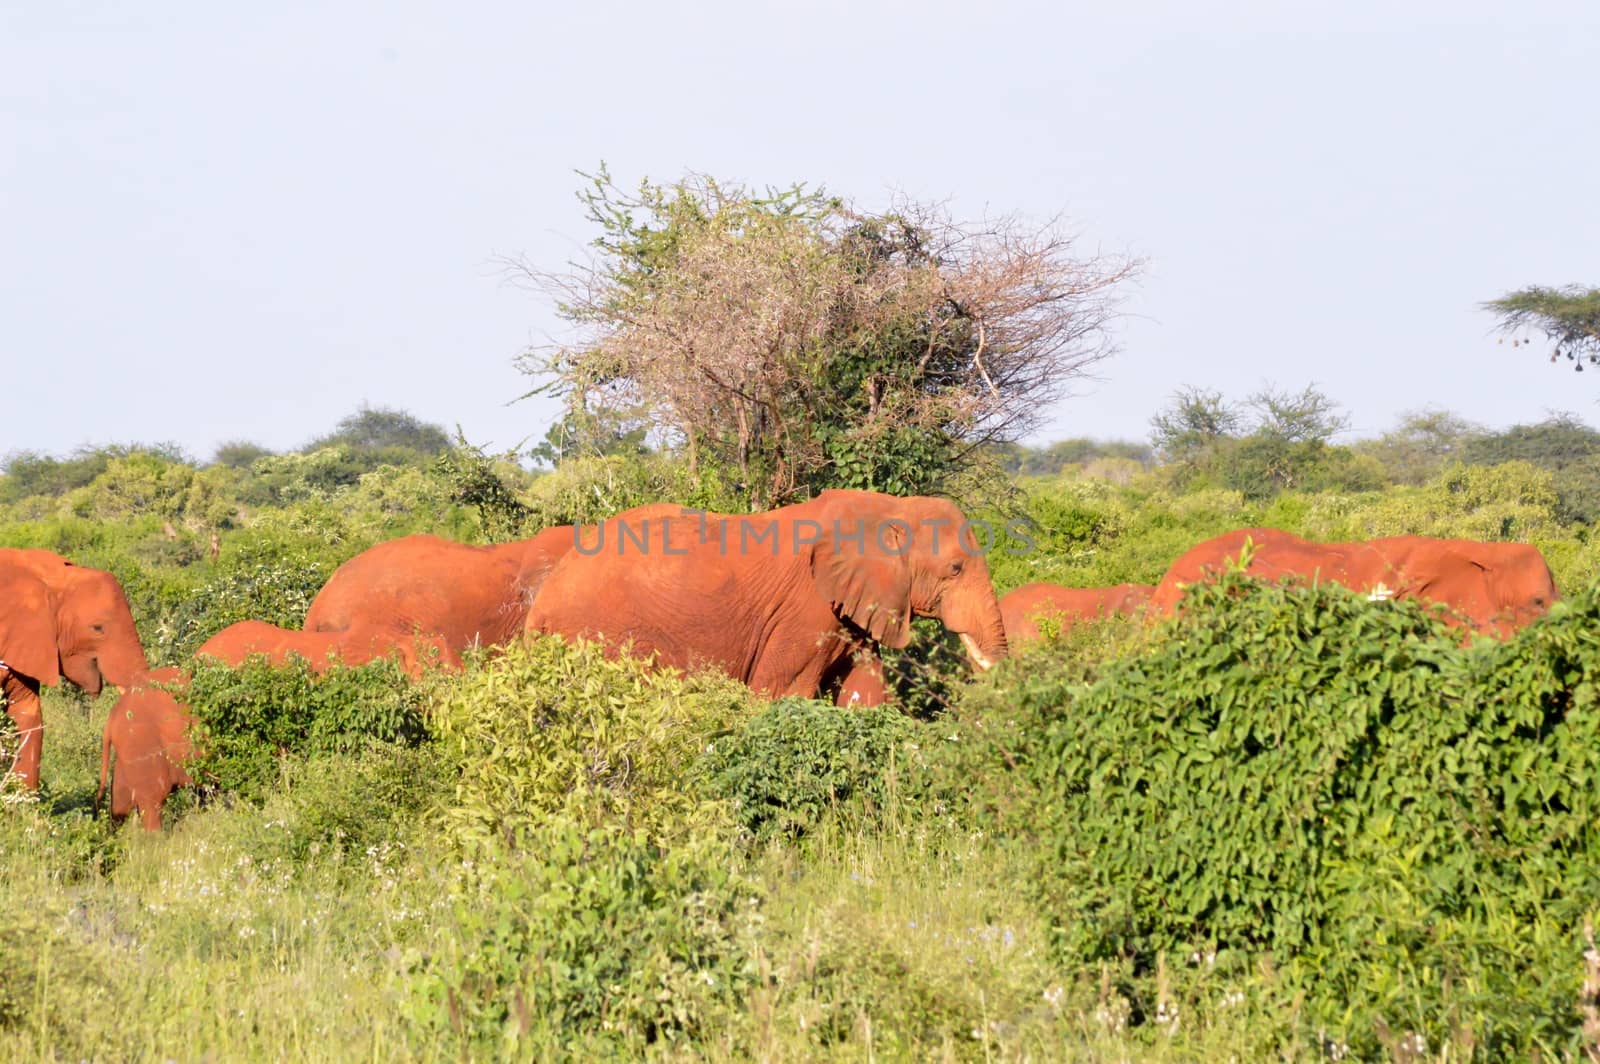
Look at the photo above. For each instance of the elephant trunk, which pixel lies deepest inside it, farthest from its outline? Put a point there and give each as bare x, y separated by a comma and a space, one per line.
122, 662
982, 631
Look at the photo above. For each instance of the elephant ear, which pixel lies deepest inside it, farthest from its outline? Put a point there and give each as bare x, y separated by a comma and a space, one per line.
862, 567
1461, 582
28, 626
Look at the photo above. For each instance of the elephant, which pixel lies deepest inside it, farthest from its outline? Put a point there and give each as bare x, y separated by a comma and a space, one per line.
779, 600
864, 685
1022, 606
246, 639
1488, 587
59, 619
465, 595
149, 731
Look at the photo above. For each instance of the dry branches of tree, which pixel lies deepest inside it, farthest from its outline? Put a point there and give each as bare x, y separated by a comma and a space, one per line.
804, 343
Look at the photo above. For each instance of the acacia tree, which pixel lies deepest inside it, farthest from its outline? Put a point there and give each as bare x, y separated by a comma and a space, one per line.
1275, 440
801, 343
1570, 317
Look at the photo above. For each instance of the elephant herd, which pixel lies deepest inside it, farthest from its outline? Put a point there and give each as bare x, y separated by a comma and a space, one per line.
795, 601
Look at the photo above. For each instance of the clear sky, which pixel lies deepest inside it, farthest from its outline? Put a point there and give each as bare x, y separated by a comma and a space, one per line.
223, 221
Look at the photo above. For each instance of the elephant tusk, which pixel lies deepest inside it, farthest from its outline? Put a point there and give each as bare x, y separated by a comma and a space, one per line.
971, 645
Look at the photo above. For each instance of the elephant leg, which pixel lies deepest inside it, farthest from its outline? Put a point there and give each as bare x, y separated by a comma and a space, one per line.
24, 708
863, 684
121, 796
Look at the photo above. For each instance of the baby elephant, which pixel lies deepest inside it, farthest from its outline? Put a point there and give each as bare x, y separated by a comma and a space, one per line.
149, 730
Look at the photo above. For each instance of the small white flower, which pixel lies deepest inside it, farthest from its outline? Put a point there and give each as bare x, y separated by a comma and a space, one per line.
1380, 593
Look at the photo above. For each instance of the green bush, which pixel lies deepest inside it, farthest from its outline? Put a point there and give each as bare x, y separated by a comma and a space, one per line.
549, 726
585, 490
598, 910
248, 719
1407, 823
588, 941
342, 806
262, 578
800, 760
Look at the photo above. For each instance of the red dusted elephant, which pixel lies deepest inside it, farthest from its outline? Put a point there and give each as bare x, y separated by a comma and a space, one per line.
864, 685
149, 734
1023, 607
59, 620
465, 595
238, 642
778, 600
1491, 587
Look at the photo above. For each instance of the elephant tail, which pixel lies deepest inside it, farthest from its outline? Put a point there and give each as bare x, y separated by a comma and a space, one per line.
105, 771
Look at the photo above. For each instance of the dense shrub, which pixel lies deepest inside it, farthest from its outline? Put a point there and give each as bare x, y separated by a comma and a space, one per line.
334, 806
598, 907
588, 941
249, 718
263, 578
1408, 822
550, 726
585, 490
800, 760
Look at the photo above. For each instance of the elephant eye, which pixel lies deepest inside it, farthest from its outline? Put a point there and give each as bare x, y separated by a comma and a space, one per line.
98, 629
956, 567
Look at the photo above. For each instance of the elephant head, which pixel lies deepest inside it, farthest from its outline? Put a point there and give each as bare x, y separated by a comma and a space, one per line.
86, 615
1499, 587
59, 619
882, 560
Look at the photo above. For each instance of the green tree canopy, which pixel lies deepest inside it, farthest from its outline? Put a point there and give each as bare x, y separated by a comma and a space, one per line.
799, 342
1422, 444
1273, 441
377, 428
238, 454
1570, 317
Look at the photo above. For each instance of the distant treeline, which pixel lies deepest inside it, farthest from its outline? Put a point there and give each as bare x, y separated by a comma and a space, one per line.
1260, 461
1200, 442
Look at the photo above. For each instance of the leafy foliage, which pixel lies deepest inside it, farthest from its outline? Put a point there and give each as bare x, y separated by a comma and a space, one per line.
238, 454
248, 719
1209, 441
1569, 317
590, 940
384, 434
598, 910
475, 481
800, 760
1302, 771
263, 579
549, 727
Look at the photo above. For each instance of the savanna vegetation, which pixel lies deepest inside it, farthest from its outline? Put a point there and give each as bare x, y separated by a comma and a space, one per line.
1292, 823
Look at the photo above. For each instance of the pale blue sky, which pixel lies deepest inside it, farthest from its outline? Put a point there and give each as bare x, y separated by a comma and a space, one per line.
243, 221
